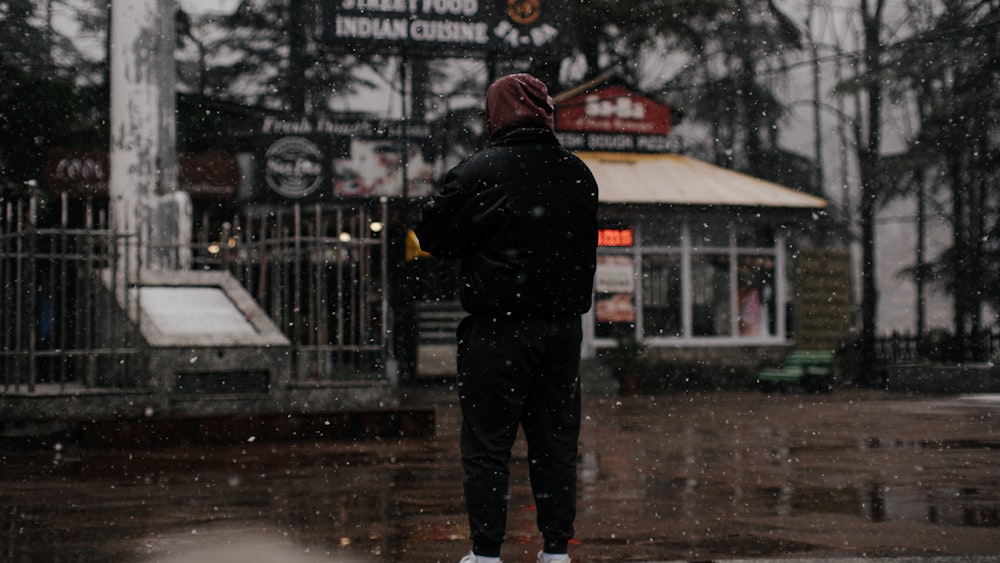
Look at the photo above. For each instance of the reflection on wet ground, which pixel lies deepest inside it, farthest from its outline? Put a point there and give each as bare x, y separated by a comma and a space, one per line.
665, 477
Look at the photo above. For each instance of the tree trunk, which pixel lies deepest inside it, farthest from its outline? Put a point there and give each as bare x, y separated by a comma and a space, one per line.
868, 157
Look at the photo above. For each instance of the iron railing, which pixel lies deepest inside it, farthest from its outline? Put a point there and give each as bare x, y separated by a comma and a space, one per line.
897, 348
318, 270
56, 320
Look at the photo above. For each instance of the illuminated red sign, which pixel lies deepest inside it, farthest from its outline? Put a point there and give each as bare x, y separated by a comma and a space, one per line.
615, 237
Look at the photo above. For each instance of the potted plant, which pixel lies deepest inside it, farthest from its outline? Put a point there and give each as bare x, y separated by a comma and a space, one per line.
626, 360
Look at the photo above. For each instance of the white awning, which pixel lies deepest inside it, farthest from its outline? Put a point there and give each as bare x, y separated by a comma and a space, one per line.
681, 180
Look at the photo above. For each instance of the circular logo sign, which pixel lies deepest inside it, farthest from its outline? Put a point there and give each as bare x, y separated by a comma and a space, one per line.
524, 12
293, 167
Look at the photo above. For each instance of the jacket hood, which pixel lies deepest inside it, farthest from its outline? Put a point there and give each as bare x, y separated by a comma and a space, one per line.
518, 101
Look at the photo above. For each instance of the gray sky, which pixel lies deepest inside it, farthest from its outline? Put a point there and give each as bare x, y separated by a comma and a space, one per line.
208, 6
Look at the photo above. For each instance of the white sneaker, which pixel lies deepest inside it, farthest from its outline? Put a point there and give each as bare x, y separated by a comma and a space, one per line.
471, 558
552, 558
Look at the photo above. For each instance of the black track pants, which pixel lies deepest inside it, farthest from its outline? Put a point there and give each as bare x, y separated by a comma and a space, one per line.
519, 372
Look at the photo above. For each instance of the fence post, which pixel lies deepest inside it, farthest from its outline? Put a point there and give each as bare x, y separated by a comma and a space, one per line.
31, 290
8, 267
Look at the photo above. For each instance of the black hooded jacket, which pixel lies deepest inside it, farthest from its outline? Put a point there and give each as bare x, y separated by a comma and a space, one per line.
521, 215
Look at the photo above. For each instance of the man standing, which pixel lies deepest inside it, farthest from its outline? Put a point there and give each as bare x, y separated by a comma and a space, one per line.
521, 216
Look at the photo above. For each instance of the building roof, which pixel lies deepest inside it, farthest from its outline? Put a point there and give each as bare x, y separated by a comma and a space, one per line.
681, 180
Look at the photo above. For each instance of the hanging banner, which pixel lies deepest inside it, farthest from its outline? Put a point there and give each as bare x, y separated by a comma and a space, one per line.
448, 25
375, 167
311, 158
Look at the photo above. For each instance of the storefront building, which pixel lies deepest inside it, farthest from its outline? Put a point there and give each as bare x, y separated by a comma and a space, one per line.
694, 261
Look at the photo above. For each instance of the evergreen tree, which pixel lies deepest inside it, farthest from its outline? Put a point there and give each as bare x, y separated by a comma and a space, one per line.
609, 32
952, 68
264, 54
731, 86
41, 104
729, 83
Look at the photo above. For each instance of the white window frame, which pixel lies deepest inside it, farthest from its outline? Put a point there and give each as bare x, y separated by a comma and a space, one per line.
687, 252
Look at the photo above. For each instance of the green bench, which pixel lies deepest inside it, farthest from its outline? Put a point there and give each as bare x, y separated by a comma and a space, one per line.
812, 369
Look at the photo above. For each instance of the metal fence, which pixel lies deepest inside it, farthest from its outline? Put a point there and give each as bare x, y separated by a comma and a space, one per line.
898, 348
56, 323
67, 315
320, 272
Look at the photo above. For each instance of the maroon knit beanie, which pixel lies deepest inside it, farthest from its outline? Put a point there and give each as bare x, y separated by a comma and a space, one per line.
518, 101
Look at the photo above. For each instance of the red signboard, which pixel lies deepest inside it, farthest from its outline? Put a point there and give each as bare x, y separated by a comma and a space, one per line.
79, 173
613, 109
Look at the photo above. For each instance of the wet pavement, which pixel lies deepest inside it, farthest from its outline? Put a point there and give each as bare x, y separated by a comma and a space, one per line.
694, 477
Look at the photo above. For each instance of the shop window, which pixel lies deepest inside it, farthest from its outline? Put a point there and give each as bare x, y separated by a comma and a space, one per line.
661, 295
710, 295
755, 296
697, 279
663, 233
709, 233
614, 295
755, 236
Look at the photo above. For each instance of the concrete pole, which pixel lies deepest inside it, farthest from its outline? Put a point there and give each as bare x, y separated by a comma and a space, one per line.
143, 161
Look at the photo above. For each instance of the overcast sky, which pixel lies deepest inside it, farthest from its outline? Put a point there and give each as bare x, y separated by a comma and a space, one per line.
208, 6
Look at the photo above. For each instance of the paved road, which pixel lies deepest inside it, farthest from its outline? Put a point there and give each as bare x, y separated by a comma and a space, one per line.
673, 477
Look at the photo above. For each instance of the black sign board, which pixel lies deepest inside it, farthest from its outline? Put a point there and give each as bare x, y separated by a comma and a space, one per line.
441, 26
323, 157
294, 167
